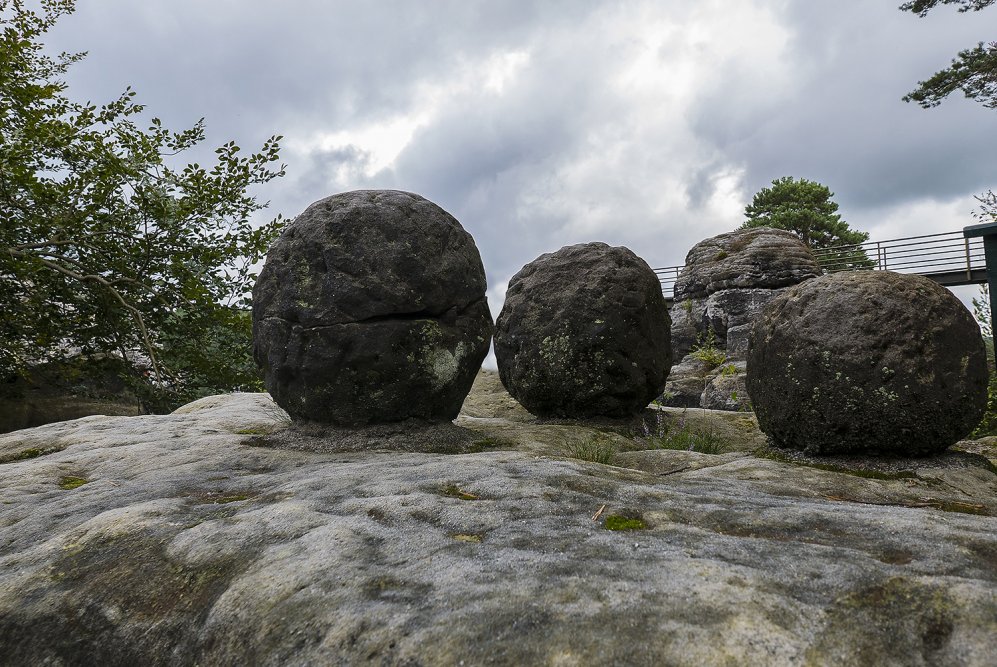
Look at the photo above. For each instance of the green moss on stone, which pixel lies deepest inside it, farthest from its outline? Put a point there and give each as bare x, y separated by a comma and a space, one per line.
617, 522
25, 454
70, 482
255, 430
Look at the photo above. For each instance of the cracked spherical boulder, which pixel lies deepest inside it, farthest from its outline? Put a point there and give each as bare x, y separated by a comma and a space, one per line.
584, 332
371, 309
867, 362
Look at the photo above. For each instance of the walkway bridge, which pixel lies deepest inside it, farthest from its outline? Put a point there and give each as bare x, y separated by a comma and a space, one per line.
950, 259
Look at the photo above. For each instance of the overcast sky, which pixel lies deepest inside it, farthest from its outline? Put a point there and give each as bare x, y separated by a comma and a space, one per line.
648, 124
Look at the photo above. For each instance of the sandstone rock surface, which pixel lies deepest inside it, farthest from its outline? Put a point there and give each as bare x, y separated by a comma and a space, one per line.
867, 361
745, 258
371, 309
188, 544
584, 331
725, 284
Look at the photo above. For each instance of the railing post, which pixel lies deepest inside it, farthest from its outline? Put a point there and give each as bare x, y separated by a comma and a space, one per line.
969, 264
989, 233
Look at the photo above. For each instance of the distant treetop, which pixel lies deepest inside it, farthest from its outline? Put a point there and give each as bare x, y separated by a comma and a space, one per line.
804, 208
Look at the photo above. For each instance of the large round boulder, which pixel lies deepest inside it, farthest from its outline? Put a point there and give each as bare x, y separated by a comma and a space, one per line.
371, 309
584, 332
867, 361
758, 257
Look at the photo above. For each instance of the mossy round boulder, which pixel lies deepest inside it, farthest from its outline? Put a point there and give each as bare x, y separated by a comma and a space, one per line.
584, 332
371, 309
867, 362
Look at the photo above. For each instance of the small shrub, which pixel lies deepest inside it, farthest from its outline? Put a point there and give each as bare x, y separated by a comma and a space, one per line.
742, 406
706, 350
728, 370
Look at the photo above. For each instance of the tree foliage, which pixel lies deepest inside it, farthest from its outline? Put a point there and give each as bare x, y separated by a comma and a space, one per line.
108, 244
922, 7
973, 71
804, 208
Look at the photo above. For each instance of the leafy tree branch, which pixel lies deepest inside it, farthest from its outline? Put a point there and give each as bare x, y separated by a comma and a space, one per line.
107, 245
973, 71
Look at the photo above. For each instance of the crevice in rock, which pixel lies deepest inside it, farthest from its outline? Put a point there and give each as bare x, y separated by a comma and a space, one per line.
449, 315
401, 317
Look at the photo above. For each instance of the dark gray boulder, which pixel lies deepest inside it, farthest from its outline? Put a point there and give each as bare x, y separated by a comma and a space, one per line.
867, 361
584, 332
371, 309
760, 257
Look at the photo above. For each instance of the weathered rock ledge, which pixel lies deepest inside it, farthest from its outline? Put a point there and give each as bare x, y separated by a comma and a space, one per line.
173, 540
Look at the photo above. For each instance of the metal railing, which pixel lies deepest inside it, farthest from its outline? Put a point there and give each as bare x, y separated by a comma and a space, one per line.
948, 258
667, 277
948, 253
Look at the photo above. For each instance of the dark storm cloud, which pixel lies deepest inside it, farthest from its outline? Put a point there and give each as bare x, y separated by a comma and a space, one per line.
843, 121
642, 123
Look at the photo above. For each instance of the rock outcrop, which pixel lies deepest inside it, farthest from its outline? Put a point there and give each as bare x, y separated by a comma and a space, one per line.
867, 361
757, 257
584, 332
726, 282
371, 309
176, 540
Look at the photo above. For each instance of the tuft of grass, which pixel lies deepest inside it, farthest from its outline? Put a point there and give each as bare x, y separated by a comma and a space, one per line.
594, 451
70, 482
662, 434
694, 440
617, 522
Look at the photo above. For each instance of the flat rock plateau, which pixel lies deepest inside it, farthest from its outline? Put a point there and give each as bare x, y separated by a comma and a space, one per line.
194, 538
